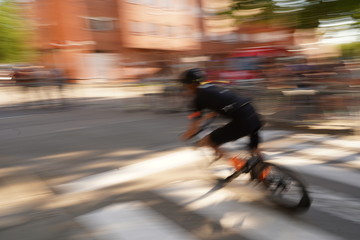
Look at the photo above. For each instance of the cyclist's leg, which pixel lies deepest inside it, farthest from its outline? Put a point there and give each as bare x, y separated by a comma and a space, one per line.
207, 142
230, 132
254, 143
253, 126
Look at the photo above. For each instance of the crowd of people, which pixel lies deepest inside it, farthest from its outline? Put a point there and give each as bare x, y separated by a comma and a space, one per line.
33, 80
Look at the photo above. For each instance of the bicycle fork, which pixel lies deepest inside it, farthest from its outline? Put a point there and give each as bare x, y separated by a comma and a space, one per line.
242, 166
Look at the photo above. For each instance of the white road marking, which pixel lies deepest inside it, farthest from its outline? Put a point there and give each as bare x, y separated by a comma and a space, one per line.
252, 222
132, 172
223, 205
335, 203
274, 134
19, 116
343, 143
130, 221
354, 163
311, 136
314, 167
187, 156
298, 146
267, 135
328, 152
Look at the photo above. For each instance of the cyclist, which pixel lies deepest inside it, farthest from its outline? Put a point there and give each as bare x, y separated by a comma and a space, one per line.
244, 120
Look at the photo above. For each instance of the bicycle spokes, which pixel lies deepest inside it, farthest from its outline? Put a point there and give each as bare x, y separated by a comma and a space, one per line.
284, 187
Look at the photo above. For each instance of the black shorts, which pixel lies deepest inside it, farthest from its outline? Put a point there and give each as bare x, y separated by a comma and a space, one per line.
238, 128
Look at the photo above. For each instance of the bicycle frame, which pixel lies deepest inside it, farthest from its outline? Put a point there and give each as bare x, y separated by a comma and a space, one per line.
240, 165
276, 180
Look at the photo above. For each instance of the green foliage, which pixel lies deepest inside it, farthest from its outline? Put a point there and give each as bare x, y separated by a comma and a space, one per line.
298, 13
13, 34
350, 50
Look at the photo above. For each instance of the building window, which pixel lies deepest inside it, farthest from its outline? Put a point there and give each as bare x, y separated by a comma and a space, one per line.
187, 31
143, 2
181, 5
150, 2
177, 5
152, 29
136, 27
169, 31
181, 31
101, 24
149, 28
161, 3
144, 28
167, 4
162, 30
135, 1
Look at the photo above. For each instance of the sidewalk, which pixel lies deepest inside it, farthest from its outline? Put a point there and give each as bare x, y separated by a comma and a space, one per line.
129, 96
134, 97
12, 96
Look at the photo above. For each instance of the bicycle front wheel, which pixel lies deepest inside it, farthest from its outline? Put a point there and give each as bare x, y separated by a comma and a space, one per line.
284, 187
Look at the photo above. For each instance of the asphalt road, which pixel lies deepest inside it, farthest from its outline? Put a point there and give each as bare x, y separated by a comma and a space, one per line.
96, 171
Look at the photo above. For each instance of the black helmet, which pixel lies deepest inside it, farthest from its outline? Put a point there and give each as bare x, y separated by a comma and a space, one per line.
193, 75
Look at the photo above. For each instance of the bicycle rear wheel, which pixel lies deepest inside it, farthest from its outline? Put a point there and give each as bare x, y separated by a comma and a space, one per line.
284, 187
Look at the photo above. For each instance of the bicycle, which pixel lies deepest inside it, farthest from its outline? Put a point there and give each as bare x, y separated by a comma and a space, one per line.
283, 186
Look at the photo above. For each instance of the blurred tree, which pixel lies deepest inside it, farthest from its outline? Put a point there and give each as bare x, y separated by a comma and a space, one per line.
298, 13
14, 34
350, 50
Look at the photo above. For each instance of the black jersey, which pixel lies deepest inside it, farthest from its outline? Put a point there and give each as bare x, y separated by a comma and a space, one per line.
222, 101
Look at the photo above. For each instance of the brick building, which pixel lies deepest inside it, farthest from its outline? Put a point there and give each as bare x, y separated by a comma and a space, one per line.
113, 39
219, 33
96, 38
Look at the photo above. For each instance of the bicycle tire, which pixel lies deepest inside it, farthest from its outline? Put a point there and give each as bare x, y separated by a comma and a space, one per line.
284, 187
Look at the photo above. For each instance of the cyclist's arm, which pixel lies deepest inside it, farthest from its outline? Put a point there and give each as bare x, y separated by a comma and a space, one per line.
193, 128
194, 125
197, 118
210, 115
